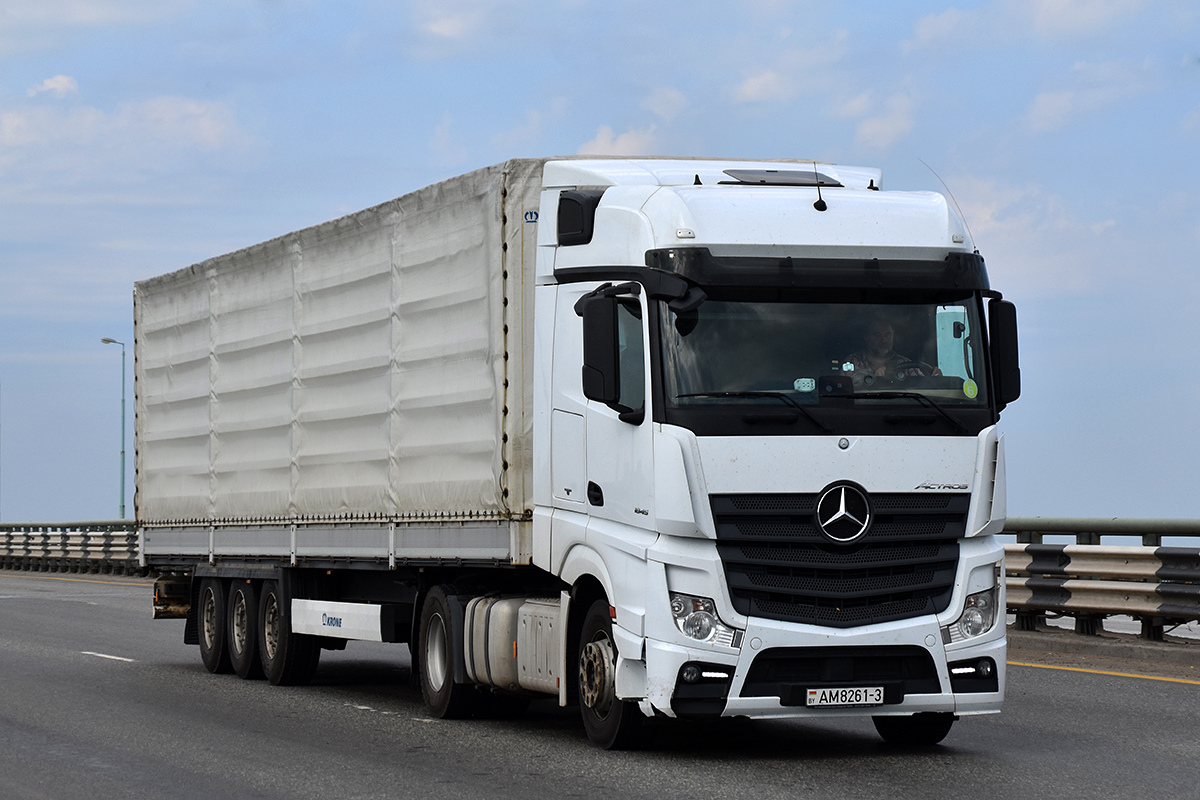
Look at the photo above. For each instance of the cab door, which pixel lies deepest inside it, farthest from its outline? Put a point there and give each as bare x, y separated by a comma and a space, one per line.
619, 440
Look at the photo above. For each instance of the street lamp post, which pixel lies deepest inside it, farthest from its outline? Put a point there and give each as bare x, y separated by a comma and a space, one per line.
107, 340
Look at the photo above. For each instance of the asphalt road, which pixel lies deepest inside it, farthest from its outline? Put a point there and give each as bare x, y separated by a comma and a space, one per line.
97, 700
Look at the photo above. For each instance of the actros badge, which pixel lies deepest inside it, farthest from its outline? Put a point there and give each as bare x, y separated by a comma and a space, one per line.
843, 513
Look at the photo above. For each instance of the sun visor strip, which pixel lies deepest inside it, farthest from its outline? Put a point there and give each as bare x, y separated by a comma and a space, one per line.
699, 266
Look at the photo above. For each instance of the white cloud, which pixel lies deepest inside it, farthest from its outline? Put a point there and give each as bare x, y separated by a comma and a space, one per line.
1095, 87
59, 86
937, 28
1033, 243
666, 103
448, 149
815, 67
1008, 20
1191, 123
630, 143
170, 123
853, 108
30, 25
882, 131
523, 136
447, 28
87, 13
1051, 110
764, 86
208, 126
83, 156
454, 26
1052, 18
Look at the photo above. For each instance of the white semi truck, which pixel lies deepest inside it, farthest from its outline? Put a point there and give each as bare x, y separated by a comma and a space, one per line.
657, 437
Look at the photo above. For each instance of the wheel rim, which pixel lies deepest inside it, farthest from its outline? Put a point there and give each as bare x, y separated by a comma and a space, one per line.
210, 621
436, 652
270, 631
239, 622
597, 689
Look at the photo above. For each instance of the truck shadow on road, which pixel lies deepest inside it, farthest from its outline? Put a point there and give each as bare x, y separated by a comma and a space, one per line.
388, 686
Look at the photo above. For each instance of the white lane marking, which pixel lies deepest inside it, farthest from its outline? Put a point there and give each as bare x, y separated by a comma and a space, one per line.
103, 655
370, 709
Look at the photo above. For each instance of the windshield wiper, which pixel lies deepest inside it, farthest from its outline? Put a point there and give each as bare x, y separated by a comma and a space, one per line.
777, 395
920, 398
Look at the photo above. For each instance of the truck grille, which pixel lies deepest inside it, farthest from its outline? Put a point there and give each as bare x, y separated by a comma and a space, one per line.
780, 566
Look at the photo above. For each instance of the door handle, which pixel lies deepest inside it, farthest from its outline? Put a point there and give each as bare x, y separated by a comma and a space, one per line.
595, 494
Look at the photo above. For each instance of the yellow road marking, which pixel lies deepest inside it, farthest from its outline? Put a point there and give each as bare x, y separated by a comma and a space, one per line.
1104, 672
72, 580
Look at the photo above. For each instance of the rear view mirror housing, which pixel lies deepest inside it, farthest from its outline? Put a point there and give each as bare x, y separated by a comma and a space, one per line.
1006, 367
601, 369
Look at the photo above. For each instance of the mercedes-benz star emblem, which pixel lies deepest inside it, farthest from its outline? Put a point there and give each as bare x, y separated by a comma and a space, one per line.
843, 513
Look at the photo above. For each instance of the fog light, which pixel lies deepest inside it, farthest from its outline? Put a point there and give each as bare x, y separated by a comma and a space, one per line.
984, 668
690, 674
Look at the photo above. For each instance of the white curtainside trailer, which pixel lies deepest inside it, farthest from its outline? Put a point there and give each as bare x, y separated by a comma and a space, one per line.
356, 390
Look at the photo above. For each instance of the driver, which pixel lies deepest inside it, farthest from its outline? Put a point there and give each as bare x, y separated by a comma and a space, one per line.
878, 357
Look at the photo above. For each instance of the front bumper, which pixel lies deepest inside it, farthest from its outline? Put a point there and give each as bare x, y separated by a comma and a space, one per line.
779, 662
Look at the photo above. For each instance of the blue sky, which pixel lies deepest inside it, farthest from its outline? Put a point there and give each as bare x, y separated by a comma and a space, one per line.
141, 136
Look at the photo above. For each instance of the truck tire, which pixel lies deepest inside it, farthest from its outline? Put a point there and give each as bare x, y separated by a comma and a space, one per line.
610, 723
243, 630
210, 620
439, 650
919, 730
288, 659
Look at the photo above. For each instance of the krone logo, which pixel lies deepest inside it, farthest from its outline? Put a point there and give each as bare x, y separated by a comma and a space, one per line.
843, 513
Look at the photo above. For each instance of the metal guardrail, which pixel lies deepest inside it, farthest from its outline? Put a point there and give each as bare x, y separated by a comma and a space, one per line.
1089, 581
1091, 530
103, 546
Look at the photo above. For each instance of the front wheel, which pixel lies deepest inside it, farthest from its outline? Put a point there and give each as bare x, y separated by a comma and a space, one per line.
611, 723
919, 730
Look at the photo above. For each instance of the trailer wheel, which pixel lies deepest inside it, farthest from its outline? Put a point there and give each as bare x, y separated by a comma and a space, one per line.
288, 659
610, 723
243, 630
439, 650
210, 619
919, 730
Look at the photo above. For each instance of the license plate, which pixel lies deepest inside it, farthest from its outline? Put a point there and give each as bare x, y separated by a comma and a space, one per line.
845, 696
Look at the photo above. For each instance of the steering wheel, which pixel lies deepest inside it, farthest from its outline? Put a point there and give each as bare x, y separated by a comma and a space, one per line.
900, 371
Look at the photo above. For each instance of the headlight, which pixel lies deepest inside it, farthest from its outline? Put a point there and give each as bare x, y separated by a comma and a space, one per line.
696, 618
978, 617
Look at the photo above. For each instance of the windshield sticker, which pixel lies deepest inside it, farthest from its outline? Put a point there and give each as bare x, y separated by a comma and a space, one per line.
970, 388
805, 384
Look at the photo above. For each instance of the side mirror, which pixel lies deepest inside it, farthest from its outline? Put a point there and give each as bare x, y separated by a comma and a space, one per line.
1006, 368
601, 367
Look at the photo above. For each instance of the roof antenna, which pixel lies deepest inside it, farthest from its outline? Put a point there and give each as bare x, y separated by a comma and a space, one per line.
820, 205
960, 211
697, 183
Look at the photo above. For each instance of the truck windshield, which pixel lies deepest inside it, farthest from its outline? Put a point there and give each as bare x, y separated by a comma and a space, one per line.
828, 362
